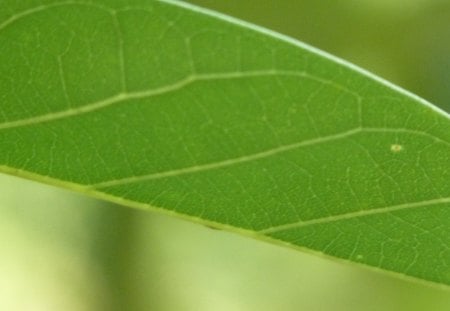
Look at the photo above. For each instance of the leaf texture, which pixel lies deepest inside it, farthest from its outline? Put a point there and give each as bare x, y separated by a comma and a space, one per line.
161, 105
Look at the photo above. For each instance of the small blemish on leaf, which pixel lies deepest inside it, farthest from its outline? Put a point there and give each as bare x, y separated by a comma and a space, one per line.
396, 148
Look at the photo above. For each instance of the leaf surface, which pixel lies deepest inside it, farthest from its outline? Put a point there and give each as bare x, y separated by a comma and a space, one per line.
161, 105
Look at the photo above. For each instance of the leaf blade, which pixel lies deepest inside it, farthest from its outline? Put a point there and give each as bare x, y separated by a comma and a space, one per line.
229, 124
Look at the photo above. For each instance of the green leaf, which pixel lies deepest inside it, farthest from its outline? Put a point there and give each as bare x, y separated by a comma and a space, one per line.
164, 106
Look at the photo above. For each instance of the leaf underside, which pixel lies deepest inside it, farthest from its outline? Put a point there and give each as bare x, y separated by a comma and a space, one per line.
161, 105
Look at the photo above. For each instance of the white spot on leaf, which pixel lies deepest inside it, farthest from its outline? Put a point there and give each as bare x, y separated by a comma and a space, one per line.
396, 148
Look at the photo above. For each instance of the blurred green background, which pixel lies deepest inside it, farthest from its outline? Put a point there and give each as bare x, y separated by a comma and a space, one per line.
62, 251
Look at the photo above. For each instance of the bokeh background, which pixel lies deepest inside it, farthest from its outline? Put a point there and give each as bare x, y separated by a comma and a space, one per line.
62, 251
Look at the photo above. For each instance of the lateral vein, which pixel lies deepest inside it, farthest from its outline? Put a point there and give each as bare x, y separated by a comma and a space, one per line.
257, 156
159, 91
351, 215
224, 163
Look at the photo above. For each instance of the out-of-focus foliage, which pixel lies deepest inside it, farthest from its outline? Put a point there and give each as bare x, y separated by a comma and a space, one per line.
59, 251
